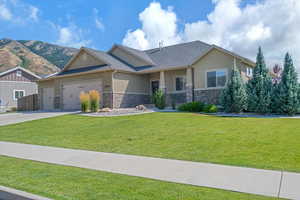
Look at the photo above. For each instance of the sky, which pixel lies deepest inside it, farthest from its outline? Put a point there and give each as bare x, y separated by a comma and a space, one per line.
237, 25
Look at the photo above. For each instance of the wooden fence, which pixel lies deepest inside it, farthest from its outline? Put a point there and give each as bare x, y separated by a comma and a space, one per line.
28, 103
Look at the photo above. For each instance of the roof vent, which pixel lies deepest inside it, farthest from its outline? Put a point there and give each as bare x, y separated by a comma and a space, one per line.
161, 45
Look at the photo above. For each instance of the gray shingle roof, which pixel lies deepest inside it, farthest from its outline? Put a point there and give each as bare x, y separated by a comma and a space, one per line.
141, 54
178, 55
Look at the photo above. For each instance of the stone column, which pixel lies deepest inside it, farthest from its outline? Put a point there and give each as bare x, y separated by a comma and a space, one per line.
189, 85
162, 82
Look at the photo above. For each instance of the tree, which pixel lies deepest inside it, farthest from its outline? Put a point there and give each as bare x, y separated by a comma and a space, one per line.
288, 88
259, 87
234, 96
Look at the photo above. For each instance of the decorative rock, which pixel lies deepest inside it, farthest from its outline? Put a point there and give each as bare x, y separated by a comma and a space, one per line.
105, 110
141, 107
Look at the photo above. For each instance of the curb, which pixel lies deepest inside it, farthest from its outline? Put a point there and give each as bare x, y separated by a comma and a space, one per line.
13, 194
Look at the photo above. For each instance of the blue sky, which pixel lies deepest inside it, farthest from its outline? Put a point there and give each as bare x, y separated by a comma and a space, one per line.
237, 25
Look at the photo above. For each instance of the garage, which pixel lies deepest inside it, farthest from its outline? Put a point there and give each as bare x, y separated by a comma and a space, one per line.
48, 98
72, 90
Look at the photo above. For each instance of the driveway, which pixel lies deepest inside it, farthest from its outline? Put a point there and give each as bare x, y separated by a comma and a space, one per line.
14, 118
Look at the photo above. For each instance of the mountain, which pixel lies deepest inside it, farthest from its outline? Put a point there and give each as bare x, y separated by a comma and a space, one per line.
39, 57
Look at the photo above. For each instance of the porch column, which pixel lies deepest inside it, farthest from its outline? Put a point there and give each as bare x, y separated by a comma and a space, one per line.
162, 83
189, 85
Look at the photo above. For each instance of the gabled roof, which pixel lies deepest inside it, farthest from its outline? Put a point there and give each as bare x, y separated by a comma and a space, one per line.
135, 52
22, 69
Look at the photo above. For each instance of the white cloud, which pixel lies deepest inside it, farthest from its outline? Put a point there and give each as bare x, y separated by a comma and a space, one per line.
5, 13
157, 24
273, 24
98, 22
33, 13
71, 36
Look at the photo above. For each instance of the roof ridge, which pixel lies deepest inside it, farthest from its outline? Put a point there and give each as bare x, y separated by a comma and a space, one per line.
179, 44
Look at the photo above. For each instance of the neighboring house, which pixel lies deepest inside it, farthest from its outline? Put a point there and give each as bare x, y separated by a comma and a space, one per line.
16, 83
127, 77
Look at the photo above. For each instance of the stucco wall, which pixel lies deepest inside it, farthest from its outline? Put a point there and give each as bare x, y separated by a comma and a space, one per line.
170, 77
215, 60
128, 58
84, 60
131, 83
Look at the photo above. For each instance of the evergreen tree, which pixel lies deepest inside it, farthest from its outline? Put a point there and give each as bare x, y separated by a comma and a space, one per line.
234, 96
259, 87
288, 88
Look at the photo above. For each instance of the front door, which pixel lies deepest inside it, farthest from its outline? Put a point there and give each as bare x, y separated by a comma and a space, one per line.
154, 86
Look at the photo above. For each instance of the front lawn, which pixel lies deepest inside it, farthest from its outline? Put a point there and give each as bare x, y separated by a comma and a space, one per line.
62, 183
259, 143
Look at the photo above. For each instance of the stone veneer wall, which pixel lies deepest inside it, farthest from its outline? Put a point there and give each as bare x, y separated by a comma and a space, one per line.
177, 97
107, 100
121, 100
211, 96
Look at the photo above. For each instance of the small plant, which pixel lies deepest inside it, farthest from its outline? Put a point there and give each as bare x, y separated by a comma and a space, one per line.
210, 108
159, 99
84, 101
195, 106
94, 100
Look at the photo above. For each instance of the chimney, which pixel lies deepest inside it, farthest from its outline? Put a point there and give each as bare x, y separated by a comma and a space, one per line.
161, 45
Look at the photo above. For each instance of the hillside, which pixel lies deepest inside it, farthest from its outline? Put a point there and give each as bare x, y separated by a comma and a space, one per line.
39, 57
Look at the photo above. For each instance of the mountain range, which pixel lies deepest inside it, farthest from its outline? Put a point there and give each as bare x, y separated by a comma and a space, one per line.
39, 57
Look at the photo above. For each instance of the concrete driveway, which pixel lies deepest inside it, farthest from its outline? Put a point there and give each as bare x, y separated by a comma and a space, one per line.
14, 118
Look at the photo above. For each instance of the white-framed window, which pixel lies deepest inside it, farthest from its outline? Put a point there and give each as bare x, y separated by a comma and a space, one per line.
216, 78
249, 71
179, 83
18, 94
19, 73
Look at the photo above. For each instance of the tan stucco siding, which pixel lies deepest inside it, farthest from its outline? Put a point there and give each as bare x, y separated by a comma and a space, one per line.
130, 83
170, 77
84, 60
215, 60
133, 60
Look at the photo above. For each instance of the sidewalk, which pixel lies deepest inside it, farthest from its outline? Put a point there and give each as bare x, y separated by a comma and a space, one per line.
239, 179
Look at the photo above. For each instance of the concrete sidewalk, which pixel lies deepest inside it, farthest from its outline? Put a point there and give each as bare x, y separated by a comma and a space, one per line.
240, 179
18, 117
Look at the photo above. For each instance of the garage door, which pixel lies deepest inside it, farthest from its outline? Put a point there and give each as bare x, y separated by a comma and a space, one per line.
48, 98
71, 92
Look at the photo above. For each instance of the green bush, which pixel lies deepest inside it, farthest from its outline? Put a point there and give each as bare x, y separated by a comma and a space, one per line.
195, 106
210, 108
159, 99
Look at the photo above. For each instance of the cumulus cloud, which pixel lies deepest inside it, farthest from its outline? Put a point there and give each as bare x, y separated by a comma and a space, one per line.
71, 36
158, 24
33, 13
272, 24
98, 22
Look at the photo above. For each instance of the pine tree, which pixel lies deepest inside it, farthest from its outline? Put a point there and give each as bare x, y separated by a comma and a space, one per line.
288, 88
259, 87
234, 96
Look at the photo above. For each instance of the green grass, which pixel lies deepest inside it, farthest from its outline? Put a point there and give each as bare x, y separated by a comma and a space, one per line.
259, 143
60, 182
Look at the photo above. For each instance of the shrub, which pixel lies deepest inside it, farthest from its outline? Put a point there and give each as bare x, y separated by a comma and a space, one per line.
159, 99
84, 101
173, 104
210, 108
94, 100
195, 106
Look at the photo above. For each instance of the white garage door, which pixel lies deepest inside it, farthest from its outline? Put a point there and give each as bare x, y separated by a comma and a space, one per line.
48, 98
71, 92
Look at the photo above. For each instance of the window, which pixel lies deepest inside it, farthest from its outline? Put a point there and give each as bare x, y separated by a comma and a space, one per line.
216, 78
249, 71
154, 86
19, 73
18, 94
179, 83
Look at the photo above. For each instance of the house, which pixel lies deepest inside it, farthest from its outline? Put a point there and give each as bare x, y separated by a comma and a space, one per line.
126, 77
16, 83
